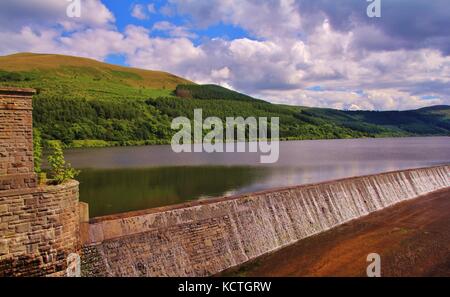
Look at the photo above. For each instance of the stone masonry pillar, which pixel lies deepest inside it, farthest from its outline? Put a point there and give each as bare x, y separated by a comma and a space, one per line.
16, 139
39, 225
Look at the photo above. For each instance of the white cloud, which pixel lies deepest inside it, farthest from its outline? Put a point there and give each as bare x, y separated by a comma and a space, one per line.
151, 8
46, 13
281, 63
173, 30
139, 12
379, 99
280, 72
180, 55
221, 74
268, 19
77, 44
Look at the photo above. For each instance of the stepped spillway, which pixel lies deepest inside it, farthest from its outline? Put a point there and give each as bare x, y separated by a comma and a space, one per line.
204, 238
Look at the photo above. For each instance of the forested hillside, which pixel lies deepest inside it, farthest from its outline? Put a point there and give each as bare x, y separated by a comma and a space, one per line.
88, 103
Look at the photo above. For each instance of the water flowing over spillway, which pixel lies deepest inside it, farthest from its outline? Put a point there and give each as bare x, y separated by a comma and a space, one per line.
205, 238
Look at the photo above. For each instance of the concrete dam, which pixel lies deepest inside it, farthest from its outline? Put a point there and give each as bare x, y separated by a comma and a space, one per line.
206, 237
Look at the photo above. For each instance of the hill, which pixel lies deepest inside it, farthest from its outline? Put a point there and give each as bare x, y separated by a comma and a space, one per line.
71, 77
207, 92
84, 102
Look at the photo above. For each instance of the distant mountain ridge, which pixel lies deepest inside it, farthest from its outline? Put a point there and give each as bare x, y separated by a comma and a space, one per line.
84, 102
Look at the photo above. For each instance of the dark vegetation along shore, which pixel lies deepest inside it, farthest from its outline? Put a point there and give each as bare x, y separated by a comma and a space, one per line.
85, 103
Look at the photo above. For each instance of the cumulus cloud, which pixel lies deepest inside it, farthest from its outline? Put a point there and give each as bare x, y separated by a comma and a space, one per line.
44, 13
77, 44
261, 18
317, 53
139, 12
43, 26
377, 99
142, 12
284, 72
405, 24
396, 60
151, 8
173, 30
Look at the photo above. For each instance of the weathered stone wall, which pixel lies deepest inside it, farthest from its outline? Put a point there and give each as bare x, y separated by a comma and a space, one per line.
203, 238
39, 226
16, 131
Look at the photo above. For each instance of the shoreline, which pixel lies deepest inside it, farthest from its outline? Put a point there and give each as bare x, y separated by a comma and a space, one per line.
162, 143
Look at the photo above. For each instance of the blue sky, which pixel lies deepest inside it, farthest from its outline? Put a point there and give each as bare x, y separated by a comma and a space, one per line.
123, 13
323, 53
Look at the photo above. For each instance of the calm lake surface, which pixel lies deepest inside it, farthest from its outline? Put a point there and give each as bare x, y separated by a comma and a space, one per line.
122, 179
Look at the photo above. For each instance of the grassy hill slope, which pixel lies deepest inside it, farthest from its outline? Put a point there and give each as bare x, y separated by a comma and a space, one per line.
83, 102
73, 77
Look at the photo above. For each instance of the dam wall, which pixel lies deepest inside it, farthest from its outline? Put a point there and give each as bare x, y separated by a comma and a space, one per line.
206, 237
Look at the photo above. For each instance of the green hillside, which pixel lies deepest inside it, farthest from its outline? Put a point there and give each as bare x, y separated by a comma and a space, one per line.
207, 92
83, 102
74, 77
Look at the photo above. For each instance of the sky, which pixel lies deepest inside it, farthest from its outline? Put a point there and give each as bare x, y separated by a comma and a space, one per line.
324, 53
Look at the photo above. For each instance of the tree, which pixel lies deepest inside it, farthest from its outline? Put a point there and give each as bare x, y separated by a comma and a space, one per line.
59, 170
37, 150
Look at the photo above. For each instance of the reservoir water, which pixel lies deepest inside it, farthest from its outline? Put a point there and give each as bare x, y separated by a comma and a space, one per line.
121, 179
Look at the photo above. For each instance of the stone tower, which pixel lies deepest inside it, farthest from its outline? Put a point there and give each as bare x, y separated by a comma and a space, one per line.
16, 139
39, 225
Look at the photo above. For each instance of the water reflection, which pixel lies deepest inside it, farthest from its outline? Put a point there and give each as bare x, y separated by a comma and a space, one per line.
119, 190
133, 178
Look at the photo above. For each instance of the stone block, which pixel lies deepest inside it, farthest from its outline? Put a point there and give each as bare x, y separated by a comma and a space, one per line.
84, 212
3, 208
22, 228
4, 247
